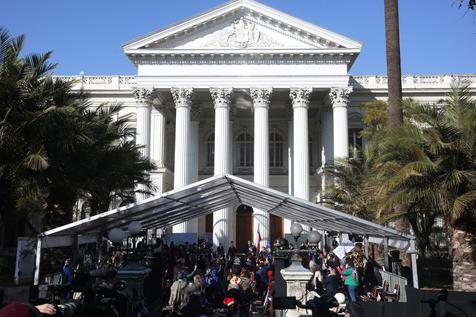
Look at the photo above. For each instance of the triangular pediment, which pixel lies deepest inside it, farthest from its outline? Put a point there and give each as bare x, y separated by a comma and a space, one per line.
239, 32
242, 25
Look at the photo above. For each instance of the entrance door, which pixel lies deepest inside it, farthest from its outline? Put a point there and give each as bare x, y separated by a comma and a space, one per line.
276, 228
244, 227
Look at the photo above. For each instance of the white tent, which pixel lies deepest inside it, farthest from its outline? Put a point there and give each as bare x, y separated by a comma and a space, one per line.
210, 195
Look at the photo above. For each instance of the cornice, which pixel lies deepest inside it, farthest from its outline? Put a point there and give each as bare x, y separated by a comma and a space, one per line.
253, 57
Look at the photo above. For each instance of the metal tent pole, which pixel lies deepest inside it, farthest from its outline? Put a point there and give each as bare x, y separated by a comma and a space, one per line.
385, 254
366, 246
36, 280
413, 255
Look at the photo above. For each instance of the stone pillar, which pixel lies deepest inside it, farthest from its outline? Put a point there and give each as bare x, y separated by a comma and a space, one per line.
261, 99
143, 113
192, 225
157, 139
296, 277
300, 102
221, 219
183, 102
286, 222
327, 149
157, 148
340, 99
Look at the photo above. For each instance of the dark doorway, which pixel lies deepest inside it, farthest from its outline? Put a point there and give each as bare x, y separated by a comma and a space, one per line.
244, 227
275, 228
209, 223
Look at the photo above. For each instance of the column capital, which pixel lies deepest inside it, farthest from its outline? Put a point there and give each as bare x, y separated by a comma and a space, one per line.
221, 97
261, 97
142, 95
182, 97
340, 96
300, 97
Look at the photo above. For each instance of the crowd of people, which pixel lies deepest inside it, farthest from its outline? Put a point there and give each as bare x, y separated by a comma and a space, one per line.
199, 280
195, 278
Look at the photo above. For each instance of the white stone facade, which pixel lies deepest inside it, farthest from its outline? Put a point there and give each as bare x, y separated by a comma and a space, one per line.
248, 90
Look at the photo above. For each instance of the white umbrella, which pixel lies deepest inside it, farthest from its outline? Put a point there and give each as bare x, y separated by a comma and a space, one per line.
344, 248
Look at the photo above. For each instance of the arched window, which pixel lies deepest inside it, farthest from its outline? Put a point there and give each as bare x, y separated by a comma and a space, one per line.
211, 150
245, 149
276, 146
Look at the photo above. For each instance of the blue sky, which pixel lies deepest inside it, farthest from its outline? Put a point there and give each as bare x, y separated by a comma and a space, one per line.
86, 35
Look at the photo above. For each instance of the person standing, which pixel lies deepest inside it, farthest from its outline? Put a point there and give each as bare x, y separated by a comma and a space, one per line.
332, 282
351, 281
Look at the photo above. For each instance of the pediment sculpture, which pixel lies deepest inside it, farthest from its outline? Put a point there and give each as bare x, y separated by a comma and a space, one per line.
243, 34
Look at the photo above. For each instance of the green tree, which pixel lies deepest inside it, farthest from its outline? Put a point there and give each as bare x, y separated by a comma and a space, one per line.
470, 4
354, 191
55, 148
429, 164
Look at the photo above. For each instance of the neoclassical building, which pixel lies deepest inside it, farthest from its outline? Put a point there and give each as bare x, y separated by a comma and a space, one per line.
248, 90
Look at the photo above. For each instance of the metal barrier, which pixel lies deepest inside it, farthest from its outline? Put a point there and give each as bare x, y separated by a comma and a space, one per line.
394, 279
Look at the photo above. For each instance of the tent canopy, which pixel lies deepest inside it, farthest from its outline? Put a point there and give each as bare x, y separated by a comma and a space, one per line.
210, 195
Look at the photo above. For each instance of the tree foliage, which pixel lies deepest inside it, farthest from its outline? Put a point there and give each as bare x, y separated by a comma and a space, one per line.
420, 171
54, 147
470, 4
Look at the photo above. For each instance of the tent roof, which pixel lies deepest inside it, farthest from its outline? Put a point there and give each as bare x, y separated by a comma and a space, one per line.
216, 193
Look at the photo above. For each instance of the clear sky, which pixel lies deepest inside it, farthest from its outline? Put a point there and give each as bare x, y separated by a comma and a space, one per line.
87, 35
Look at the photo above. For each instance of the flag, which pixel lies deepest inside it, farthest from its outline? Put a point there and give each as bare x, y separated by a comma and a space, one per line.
258, 243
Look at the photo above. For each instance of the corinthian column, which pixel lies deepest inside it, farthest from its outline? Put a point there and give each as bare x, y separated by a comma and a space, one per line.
340, 99
222, 219
261, 99
143, 111
192, 225
300, 102
183, 102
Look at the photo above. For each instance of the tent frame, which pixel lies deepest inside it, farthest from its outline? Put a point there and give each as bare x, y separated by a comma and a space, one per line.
210, 195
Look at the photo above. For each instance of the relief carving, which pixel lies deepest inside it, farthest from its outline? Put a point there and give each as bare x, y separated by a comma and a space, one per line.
244, 34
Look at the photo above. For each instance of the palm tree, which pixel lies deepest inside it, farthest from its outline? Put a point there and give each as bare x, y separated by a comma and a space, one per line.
353, 192
429, 164
394, 72
54, 148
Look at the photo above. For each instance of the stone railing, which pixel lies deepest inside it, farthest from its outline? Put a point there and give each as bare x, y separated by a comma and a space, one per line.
411, 81
359, 82
101, 82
